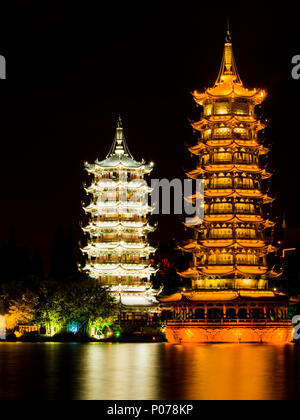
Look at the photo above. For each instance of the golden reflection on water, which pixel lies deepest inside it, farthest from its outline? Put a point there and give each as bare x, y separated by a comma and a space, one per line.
232, 371
199, 372
133, 371
120, 371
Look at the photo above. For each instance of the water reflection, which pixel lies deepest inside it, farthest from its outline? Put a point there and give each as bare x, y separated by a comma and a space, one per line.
149, 371
122, 371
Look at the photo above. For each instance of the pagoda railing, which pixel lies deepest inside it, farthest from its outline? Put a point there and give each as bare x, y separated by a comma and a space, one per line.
139, 323
233, 160
231, 136
226, 321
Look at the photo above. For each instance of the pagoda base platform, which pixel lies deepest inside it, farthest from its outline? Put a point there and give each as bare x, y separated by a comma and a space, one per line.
227, 316
189, 332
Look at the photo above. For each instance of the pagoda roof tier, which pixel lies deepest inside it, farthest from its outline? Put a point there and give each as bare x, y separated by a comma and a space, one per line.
232, 243
230, 193
228, 83
195, 272
227, 270
119, 225
193, 245
247, 193
135, 301
117, 270
208, 219
264, 223
229, 89
117, 246
226, 193
145, 289
118, 162
230, 121
119, 156
230, 218
122, 267
118, 186
223, 296
210, 145
102, 207
234, 168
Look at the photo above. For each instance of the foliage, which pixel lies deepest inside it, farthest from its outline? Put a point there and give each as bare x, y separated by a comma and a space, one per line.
78, 301
67, 296
21, 310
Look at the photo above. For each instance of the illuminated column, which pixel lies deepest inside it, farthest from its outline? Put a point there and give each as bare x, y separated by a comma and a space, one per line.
224, 310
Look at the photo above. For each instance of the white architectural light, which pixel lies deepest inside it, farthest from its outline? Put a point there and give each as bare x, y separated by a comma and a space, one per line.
118, 250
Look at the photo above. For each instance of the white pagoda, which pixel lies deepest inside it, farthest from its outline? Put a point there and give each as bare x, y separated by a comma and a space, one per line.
118, 250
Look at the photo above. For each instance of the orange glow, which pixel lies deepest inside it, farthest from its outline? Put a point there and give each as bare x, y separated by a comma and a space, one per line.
230, 334
229, 248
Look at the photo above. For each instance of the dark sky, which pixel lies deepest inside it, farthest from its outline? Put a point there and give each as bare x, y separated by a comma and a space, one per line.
72, 67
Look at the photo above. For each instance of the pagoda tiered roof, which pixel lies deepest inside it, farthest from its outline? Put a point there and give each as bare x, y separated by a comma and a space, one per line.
119, 156
223, 295
192, 244
233, 144
120, 270
118, 206
228, 83
229, 88
139, 226
118, 162
235, 168
232, 192
136, 300
225, 270
117, 246
231, 121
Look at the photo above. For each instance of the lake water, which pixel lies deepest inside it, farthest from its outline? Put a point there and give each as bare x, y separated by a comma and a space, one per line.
131, 371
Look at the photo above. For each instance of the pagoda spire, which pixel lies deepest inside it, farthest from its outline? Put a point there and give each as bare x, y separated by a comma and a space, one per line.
228, 72
119, 145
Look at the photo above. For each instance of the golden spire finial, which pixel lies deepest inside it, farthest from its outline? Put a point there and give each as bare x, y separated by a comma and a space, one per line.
228, 71
228, 36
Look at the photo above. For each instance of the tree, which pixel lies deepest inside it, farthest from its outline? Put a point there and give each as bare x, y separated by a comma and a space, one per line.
87, 302
81, 302
21, 311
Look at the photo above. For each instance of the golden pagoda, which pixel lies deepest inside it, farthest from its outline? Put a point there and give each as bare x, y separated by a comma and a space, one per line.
229, 299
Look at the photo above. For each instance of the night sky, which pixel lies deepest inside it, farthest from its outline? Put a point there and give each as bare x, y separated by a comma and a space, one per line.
72, 67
